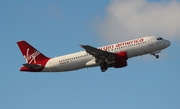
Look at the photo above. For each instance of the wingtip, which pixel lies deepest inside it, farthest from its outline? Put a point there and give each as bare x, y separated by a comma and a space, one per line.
81, 45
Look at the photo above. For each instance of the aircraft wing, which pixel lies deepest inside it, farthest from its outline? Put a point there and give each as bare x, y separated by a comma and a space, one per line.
97, 53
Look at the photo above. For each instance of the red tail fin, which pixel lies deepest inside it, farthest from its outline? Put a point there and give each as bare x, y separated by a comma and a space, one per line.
35, 61
31, 55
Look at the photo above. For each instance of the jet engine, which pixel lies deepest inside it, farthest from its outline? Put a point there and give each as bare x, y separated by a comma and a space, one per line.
120, 60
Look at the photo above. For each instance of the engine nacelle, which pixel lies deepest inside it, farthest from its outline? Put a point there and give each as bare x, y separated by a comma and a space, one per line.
120, 64
120, 60
121, 56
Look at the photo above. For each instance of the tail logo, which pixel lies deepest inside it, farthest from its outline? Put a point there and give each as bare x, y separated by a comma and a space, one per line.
31, 57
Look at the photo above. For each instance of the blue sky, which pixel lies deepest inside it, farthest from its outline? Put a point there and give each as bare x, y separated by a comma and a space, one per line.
57, 28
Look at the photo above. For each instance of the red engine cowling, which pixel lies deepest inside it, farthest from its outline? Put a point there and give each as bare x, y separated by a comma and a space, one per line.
120, 64
121, 56
120, 59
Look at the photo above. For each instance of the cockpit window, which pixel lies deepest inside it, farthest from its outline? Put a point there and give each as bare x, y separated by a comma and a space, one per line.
159, 38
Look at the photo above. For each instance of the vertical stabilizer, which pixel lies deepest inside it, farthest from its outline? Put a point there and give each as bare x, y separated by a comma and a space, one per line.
32, 56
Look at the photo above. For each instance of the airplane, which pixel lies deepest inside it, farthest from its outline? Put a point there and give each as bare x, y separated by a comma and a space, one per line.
114, 55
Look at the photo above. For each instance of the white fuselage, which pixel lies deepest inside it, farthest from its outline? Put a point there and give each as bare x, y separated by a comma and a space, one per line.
136, 47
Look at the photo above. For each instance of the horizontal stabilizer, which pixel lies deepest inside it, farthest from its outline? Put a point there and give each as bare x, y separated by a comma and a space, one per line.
33, 66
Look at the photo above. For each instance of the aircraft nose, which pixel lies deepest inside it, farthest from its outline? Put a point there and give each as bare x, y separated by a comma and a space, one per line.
167, 43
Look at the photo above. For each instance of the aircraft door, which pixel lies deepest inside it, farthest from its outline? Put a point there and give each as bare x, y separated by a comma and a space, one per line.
150, 42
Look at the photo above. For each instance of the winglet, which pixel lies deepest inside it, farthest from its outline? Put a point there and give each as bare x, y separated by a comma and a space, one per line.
82, 46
